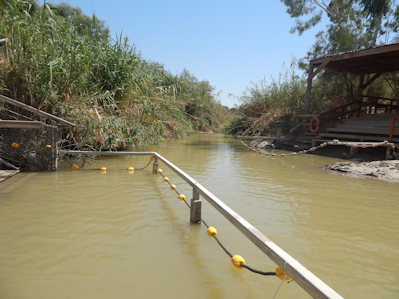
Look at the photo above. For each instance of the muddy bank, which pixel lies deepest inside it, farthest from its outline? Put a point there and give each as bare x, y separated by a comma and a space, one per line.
333, 151
375, 166
384, 170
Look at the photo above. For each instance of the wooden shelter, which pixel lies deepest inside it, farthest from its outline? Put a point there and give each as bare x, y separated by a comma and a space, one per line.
373, 62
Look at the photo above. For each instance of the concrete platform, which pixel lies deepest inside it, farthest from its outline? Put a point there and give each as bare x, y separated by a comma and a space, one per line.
5, 174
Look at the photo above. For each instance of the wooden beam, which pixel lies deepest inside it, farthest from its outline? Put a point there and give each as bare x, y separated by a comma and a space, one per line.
308, 115
308, 89
36, 111
318, 70
361, 87
359, 53
371, 80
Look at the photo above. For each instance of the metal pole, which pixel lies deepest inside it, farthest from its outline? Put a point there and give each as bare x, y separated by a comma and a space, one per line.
155, 166
195, 210
54, 150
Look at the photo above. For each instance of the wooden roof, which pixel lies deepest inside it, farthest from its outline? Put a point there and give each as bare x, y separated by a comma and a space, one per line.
368, 61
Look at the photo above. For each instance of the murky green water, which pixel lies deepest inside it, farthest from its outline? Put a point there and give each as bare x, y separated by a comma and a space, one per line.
85, 234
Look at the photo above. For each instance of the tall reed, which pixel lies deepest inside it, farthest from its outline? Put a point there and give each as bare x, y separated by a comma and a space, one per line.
116, 98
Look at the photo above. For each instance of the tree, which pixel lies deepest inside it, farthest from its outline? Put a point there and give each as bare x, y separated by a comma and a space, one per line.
83, 23
354, 24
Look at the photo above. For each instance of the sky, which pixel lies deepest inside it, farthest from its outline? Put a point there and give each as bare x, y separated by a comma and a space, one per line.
228, 43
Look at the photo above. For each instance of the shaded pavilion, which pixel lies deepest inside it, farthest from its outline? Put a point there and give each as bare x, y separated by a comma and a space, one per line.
373, 62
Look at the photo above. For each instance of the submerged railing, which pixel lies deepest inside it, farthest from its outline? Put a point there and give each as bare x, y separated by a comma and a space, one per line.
306, 279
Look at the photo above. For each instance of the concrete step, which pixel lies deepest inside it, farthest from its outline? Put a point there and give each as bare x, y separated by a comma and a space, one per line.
362, 125
306, 140
355, 137
5, 174
364, 130
379, 115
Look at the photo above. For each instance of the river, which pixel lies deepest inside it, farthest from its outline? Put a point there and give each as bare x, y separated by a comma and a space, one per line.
89, 234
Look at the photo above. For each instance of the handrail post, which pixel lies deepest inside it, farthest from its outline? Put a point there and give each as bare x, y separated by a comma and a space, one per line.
195, 209
155, 166
53, 140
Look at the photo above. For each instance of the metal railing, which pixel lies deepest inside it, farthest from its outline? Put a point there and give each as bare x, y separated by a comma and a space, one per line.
306, 279
23, 138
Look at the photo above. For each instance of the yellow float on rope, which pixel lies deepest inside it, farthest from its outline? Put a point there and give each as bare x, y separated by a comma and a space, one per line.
281, 274
152, 158
212, 231
103, 169
182, 197
130, 169
159, 170
173, 187
75, 167
237, 261
166, 179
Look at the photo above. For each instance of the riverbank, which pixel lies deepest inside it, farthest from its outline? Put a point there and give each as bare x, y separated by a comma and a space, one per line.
383, 170
367, 162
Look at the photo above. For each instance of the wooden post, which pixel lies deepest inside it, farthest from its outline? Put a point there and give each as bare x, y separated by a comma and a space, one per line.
195, 210
309, 89
360, 92
155, 166
353, 151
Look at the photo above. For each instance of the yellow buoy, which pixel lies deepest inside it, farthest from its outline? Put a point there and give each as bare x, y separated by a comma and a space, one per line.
48, 147
237, 261
166, 179
281, 274
152, 158
103, 169
182, 196
75, 167
173, 186
130, 169
159, 170
211, 231
14, 144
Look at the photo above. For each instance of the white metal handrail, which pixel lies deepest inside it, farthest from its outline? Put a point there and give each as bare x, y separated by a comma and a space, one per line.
306, 279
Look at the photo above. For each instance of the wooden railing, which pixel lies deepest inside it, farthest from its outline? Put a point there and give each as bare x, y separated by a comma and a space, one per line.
387, 107
341, 112
353, 109
306, 279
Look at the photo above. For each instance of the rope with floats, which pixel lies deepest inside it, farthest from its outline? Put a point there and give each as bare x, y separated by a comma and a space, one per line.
333, 142
236, 260
104, 169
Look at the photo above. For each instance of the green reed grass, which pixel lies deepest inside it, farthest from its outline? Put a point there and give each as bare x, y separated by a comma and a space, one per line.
117, 99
